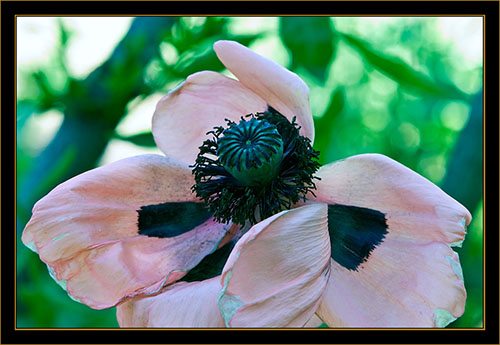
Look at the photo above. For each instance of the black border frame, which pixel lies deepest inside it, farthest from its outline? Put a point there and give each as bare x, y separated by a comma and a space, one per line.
9, 9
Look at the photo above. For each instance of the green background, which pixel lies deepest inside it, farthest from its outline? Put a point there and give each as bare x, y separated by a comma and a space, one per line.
397, 86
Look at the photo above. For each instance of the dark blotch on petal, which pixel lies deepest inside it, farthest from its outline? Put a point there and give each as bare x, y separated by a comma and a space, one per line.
171, 219
354, 233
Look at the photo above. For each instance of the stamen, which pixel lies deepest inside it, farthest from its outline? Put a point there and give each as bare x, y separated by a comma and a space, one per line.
263, 167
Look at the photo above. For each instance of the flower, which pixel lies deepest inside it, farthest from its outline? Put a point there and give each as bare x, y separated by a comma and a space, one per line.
366, 242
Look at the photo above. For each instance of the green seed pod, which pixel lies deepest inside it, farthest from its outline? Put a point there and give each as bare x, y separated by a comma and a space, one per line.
251, 151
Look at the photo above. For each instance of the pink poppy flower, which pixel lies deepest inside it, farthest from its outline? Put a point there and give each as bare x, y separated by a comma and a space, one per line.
255, 233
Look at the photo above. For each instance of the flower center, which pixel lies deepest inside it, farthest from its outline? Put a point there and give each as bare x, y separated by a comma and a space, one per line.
251, 151
254, 169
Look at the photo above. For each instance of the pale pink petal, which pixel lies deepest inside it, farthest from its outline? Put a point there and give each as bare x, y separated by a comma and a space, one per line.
184, 116
279, 87
415, 208
411, 279
277, 271
86, 231
402, 284
179, 305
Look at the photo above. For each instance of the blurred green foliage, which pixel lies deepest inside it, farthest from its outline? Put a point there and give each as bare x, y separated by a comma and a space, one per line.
312, 49
397, 92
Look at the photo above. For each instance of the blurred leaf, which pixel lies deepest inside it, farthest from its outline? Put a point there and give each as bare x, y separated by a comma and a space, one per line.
64, 33
65, 36
326, 125
24, 109
400, 72
63, 163
51, 80
202, 57
467, 153
214, 26
183, 36
243, 39
47, 95
311, 42
199, 58
195, 46
142, 139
